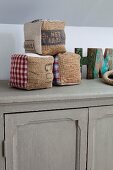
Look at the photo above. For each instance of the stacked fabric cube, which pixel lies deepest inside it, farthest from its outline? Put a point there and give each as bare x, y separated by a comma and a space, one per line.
66, 69
44, 37
45, 42
30, 71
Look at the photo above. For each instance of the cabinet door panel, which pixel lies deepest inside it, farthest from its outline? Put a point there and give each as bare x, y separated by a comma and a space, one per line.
52, 140
100, 143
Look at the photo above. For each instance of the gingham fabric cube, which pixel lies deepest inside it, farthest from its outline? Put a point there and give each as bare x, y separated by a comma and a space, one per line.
31, 71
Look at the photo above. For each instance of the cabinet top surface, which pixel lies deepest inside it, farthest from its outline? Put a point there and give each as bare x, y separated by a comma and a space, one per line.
88, 89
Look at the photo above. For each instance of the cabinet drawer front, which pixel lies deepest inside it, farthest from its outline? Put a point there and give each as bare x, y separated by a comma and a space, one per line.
51, 140
100, 142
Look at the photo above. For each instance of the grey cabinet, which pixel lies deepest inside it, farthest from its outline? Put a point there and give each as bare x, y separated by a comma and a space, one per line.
49, 140
100, 138
65, 128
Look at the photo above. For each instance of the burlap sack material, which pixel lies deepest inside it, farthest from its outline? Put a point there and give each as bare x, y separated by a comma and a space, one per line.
44, 37
32, 35
40, 73
68, 69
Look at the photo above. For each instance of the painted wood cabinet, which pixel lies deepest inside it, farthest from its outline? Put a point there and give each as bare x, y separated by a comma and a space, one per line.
100, 138
52, 140
66, 128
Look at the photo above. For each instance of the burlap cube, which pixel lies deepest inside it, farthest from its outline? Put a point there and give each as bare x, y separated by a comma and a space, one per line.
44, 37
66, 69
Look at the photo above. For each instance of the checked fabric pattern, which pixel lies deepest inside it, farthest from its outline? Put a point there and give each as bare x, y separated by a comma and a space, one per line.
56, 80
18, 72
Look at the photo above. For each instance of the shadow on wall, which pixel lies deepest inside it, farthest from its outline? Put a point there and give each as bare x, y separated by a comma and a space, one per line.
7, 48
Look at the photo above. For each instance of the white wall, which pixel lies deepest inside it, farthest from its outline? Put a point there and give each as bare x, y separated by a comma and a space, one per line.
12, 40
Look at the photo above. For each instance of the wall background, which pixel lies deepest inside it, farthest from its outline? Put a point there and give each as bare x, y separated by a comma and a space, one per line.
12, 40
98, 13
